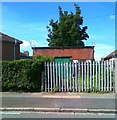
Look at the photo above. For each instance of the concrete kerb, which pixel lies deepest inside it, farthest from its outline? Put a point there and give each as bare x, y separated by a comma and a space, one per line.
47, 109
102, 111
74, 110
68, 110
16, 109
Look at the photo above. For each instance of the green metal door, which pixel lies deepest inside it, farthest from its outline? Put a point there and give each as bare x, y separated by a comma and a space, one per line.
63, 71
62, 59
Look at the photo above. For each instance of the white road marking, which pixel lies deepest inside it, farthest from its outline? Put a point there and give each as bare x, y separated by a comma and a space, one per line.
10, 113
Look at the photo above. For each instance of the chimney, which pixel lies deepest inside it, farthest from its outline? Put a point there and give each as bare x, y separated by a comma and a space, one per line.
26, 53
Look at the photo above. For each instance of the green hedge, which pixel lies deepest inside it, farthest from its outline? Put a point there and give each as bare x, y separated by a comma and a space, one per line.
22, 75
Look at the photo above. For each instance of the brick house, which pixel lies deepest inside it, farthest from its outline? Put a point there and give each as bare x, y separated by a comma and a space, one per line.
10, 48
25, 55
110, 56
75, 53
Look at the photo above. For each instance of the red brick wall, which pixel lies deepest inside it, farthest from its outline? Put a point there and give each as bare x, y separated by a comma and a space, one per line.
18, 51
76, 53
26, 53
8, 51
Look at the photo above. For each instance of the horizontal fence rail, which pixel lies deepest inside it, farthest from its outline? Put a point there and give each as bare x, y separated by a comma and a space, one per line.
83, 76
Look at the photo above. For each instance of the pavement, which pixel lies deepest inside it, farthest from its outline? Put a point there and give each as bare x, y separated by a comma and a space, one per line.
59, 102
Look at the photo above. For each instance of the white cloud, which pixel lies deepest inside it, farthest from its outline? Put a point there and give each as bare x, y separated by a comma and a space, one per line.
112, 16
25, 44
39, 43
34, 43
102, 50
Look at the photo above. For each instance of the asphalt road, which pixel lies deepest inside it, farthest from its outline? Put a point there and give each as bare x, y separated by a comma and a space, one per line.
84, 101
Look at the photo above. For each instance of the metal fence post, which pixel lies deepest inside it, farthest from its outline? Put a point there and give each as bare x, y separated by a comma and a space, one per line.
115, 79
42, 82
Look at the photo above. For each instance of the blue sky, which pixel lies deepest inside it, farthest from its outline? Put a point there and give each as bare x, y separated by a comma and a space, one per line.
27, 21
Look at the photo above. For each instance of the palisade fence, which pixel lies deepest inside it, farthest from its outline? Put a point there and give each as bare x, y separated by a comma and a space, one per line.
90, 76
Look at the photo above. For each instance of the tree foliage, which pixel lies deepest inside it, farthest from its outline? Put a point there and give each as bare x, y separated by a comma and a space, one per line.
67, 31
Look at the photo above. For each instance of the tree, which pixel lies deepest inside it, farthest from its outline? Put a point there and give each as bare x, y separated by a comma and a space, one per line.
67, 31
